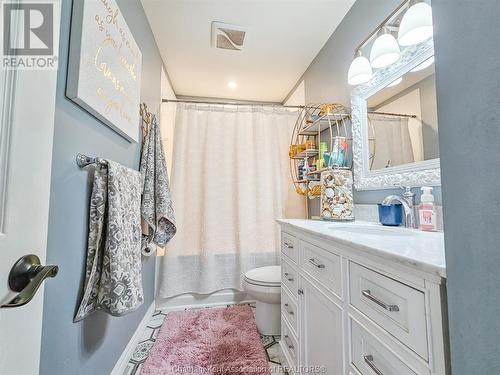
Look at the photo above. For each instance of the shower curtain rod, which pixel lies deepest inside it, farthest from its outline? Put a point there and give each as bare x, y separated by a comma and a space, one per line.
391, 114
270, 105
231, 103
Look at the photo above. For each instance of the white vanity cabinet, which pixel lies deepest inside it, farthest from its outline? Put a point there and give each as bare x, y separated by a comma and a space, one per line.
315, 308
349, 310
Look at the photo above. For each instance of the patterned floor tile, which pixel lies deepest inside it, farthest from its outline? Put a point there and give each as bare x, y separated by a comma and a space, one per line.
156, 321
130, 369
146, 334
267, 340
148, 337
142, 350
274, 353
154, 335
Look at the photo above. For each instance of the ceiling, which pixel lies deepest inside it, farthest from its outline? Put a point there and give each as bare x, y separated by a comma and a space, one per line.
282, 40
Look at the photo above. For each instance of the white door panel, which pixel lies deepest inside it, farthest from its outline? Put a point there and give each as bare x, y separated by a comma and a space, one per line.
26, 134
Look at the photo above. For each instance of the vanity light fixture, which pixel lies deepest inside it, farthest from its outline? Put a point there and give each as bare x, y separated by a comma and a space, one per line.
360, 70
412, 21
395, 82
232, 84
385, 50
423, 65
416, 25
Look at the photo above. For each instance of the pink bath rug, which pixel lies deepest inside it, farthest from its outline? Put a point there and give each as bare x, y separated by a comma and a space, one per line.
208, 341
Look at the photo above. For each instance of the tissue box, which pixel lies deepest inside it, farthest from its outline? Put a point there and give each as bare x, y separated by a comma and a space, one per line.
391, 215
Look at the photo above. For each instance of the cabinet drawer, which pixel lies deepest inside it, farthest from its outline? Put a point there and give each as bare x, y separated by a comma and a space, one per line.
370, 356
396, 307
289, 310
290, 246
289, 344
324, 266
289, 277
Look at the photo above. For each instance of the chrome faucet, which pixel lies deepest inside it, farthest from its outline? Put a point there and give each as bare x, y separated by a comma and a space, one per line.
407, 199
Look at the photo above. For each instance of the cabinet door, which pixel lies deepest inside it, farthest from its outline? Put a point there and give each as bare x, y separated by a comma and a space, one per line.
320, 331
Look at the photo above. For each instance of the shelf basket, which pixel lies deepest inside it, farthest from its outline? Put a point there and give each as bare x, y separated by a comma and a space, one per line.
319, 129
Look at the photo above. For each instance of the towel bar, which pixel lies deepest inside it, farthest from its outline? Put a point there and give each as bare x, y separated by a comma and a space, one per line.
83, 160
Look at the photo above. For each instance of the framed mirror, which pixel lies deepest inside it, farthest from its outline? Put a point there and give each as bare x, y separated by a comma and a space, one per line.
394, 124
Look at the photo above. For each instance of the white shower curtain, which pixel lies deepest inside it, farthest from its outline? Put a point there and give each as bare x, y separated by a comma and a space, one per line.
393, 141
230, 181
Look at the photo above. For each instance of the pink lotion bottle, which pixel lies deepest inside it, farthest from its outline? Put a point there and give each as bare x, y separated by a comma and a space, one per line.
427, 211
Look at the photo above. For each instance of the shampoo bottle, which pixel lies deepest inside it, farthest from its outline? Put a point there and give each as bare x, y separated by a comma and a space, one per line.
427, 211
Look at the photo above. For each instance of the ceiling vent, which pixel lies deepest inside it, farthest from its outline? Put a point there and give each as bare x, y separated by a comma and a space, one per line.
226, 36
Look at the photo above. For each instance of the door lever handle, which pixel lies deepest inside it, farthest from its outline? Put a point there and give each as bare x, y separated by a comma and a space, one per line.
25, 277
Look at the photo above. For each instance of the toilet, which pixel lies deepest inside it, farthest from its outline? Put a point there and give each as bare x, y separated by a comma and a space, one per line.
264, 285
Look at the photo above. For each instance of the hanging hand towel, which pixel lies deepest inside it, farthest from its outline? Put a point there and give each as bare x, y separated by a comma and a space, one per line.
156, 209
113, 281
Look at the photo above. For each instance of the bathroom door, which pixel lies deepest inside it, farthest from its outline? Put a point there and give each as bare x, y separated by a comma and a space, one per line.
27, 104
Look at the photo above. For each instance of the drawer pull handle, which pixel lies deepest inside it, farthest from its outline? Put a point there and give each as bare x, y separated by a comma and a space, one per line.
288, 278
288, 343
369, 362
368, 294
315, 263
288, 245
288, 310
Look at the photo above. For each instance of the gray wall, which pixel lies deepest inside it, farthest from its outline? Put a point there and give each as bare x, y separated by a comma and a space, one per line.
326, 77
428, 103
94, 345
468, 94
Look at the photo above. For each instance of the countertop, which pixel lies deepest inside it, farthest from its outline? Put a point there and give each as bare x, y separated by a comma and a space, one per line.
417, 249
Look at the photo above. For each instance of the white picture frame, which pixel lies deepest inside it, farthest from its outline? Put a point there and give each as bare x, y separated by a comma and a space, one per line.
420, 173
104, 69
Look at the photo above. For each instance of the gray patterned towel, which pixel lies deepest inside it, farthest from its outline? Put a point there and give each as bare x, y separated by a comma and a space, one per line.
156, 209
113, 278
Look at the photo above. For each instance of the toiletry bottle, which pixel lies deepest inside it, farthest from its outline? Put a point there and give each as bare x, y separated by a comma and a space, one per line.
306, 168
300, 170
427, 211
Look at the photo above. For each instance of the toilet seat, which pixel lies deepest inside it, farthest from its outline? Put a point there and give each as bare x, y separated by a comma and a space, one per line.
266, 285
269, 276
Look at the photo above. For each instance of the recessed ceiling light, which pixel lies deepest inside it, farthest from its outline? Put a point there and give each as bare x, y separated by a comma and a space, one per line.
396, 82
232, 84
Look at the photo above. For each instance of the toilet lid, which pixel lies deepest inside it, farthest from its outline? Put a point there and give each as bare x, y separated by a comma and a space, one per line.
269, 275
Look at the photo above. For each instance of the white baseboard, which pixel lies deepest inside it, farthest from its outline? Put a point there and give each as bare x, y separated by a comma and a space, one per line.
191, 300
121, 365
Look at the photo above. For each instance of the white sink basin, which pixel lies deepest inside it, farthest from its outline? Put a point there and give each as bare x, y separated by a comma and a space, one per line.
371, 230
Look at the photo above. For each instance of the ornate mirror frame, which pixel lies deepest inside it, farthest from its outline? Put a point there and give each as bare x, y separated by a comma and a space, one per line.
419, 173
